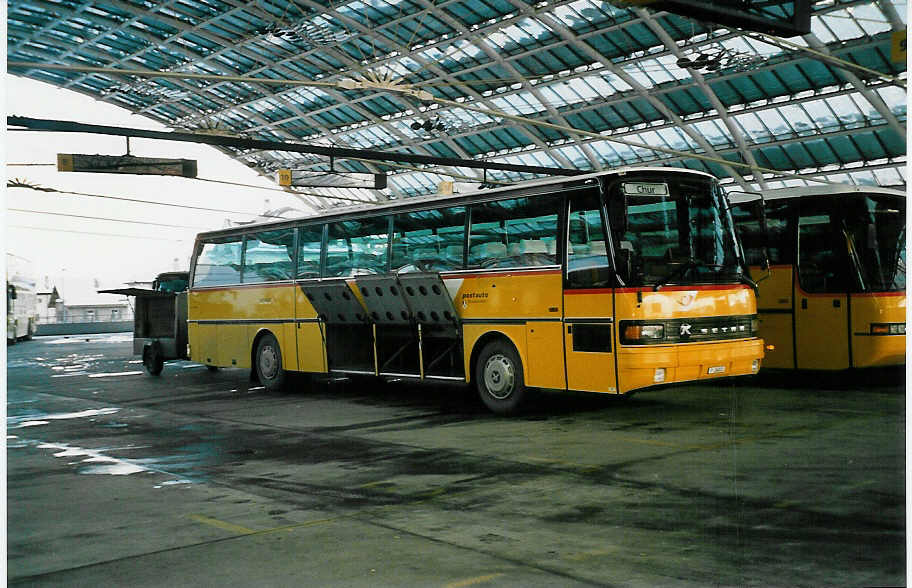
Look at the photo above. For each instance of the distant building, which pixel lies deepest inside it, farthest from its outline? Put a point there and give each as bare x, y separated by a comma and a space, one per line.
47, 305
79, 302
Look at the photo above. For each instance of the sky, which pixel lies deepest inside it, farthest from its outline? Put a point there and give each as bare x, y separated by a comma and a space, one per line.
84, 250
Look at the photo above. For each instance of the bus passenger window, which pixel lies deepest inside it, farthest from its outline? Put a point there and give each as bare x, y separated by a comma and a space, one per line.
778, 244
821, 261
428, 240
514, 233
310, 243
218, 262
357, 246
587, 256
268, 256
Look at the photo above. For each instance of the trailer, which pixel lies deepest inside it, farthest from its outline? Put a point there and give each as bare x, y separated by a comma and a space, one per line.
160, 320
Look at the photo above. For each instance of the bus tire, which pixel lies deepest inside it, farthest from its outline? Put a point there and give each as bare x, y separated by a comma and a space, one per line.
153, 359
268, 364
499, 378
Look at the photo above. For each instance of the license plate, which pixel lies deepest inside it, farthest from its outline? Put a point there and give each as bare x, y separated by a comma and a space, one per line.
716, 369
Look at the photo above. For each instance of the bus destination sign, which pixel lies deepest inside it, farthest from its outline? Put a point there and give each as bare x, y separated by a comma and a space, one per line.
645, 189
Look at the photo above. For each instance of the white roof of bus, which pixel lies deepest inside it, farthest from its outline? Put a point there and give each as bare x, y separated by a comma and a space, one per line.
822, 190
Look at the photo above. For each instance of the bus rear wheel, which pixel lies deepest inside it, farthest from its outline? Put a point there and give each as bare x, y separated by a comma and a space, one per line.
499, 378
268, 359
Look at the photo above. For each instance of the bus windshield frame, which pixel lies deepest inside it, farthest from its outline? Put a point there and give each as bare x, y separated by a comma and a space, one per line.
673, 230
875, 229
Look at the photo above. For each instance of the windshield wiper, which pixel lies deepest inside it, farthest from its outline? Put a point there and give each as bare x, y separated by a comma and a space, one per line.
694, 263
690, 263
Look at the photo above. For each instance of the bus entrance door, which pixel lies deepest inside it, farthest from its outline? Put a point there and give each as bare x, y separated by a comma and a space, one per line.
589, 300
589, 341
821, 299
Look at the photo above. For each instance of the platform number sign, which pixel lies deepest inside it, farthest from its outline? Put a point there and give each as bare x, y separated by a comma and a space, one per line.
898, 48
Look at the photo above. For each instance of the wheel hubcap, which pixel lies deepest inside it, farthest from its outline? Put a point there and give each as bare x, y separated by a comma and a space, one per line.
499, 376
268, 362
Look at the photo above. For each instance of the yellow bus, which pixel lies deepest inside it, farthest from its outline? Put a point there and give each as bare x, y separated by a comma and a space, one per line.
833, 295
610, 282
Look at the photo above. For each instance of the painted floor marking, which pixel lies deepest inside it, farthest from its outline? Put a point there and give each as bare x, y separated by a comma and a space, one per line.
473, 581
225, 526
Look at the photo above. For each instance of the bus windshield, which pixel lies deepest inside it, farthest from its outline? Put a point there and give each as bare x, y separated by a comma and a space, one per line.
677, 231
876, 229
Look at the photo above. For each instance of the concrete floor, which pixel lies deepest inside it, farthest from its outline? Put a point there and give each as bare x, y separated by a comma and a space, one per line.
199, 478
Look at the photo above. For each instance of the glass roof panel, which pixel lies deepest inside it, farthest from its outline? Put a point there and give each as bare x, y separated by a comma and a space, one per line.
351, 38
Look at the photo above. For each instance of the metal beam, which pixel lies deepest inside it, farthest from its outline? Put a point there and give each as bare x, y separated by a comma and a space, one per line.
241, 143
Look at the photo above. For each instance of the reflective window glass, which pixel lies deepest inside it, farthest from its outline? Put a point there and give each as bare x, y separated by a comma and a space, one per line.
587, 256
310, 243
514, 233
779, 242
268, 256
219, 262
821, 253
429, 240
357, 246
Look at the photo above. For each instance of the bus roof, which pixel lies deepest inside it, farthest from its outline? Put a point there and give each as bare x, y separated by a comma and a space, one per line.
436, 200
806, 191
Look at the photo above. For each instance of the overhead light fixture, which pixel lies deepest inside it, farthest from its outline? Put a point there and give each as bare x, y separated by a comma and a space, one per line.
435, 124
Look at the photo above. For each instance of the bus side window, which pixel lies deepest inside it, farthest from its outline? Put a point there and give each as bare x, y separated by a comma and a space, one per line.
514, 233
428, 240
780, 241
821, 266
268, 256
310, 249
587, 256
219, 262
357, 246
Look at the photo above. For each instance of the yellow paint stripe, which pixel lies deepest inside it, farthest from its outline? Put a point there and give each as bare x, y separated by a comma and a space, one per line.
226, 526
563, 462
231, 527
473, 581
589, 554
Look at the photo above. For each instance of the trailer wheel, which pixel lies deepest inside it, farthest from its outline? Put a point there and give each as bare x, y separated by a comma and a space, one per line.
269, 363
153, 359
499, 377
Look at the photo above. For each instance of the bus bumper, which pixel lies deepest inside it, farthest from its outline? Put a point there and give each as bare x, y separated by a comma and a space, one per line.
649, 366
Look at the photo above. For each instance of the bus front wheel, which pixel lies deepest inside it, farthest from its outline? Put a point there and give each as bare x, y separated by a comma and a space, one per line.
499, 378
269, 363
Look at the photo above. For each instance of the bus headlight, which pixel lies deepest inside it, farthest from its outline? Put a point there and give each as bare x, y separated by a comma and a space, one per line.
755, 326
634, 333
888, 328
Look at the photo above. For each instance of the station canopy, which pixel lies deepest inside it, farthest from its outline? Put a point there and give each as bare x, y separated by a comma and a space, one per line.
578, 84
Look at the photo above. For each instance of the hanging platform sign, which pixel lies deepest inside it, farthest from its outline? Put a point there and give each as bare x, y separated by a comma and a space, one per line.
307, 179
898, 46
126, 164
